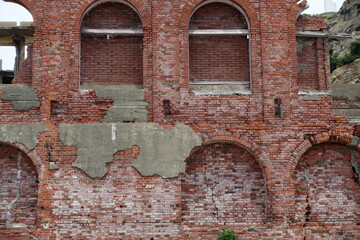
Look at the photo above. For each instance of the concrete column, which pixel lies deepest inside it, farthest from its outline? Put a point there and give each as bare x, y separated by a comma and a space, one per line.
19, 43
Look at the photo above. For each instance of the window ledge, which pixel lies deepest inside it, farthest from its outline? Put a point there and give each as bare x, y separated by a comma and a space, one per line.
241, 32
313, 95
220, 88
314, 92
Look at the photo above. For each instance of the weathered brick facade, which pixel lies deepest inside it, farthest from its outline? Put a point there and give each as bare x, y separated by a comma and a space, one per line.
233, 80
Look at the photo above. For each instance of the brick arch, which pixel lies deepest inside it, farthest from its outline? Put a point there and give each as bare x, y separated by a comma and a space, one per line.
295, 10
223, 184
31, 154
21, 194
245, 143
333, 136
326, 187
191, 6
139, 7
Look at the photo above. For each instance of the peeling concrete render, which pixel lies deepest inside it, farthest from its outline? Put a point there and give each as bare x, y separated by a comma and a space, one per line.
21, 133
23, 96
162, 151
129, 102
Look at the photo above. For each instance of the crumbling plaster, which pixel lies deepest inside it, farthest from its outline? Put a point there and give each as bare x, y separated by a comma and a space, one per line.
162, 151
24, 133
22, 96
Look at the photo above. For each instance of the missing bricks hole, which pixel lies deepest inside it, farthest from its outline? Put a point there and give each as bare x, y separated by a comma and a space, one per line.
167, 107
278, 108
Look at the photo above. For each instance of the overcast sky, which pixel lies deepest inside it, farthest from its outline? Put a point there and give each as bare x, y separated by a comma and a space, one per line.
15, 12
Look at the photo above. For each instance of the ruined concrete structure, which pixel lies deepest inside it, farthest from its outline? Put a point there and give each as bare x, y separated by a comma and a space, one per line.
158, 119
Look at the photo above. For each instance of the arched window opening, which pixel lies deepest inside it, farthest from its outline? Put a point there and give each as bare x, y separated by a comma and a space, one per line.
223, 184
219, 48
16, 37
111, 45
328, 188
19, 188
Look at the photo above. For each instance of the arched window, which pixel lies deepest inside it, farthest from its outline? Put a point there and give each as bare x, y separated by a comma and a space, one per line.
219, 47
111, 45
16, 37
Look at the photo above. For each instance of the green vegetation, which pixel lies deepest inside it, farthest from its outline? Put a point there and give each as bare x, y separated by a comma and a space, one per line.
306, 15
226, 234
336, 62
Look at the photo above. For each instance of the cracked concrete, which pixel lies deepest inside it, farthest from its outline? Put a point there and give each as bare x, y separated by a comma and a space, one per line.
162, 151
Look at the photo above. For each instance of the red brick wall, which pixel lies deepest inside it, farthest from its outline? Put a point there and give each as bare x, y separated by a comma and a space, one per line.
217, 16
223, 184
308, 78
111, 61
332, 194
218, 58
125, 205
25, 209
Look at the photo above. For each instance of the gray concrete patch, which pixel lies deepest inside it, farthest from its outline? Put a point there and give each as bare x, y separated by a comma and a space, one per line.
129, 102
21, 133
310, 97
346, 91
162, 151
22, 96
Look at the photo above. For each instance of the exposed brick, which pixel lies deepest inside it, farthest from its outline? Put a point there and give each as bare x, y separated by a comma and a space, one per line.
248, 175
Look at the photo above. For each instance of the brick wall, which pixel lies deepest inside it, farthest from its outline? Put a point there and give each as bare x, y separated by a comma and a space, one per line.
126, 205
218, 58
327, 191
308, 78
24, 210
223, 185
217, 16
111, 61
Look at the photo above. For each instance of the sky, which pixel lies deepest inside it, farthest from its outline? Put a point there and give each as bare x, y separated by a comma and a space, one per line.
317, 6
15, 12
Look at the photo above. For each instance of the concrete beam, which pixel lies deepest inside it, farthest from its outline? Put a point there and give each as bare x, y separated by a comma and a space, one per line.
321, 34
126, 32
16, 31
8, 40
241, 32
